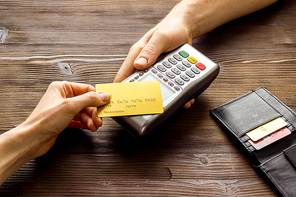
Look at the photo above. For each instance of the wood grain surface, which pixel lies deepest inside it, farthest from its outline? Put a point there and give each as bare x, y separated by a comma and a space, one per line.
87, 41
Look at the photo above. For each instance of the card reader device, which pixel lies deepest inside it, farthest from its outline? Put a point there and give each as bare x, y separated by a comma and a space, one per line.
183, 73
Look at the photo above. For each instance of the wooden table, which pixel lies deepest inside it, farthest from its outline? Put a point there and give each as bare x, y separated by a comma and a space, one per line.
87, 41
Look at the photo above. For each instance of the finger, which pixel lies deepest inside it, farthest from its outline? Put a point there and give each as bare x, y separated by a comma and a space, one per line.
78, 88
192, 101
77, 124
188, 104
85, 114
92, 112
127, 67
98, 122
90, 99
88, 121
69, 89
156, 45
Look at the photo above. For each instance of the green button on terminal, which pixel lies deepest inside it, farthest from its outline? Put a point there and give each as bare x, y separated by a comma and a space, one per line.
184, 54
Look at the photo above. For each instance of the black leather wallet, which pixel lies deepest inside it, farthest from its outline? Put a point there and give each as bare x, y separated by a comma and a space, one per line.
276, 161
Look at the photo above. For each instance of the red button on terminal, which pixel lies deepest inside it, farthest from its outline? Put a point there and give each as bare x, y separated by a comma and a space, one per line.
200, 65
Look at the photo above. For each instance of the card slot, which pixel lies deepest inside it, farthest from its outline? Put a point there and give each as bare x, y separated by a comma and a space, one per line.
281, 174
278, 105
274, 149
290, 127
291, 154
249, 147
244, 138
245, 113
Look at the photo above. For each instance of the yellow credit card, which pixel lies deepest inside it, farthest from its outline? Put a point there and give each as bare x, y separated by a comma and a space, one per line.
266, 129
131, 98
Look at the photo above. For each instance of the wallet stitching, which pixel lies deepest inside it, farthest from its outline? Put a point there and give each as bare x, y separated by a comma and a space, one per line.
272, 158
267, 174
274, 182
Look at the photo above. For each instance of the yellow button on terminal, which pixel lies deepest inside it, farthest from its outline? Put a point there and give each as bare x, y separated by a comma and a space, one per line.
192, 60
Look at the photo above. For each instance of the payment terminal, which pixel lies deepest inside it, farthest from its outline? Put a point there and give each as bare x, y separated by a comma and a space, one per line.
183, 74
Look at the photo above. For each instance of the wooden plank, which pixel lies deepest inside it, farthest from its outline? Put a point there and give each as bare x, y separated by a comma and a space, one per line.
184, 175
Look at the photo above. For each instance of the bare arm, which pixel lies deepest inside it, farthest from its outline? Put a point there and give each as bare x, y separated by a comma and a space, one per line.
186, 21
61, 104
202, 16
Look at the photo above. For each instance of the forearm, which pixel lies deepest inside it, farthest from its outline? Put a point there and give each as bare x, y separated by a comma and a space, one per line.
18, 146
202, 16
62, 103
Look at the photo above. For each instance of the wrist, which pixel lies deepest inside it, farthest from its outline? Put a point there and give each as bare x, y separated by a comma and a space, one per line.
18, 146
185, 11
200, 16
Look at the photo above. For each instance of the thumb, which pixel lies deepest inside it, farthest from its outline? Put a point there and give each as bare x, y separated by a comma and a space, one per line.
149, 54
90, 99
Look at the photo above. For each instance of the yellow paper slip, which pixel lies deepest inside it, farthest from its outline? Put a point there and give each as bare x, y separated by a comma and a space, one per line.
131, 98
266, 129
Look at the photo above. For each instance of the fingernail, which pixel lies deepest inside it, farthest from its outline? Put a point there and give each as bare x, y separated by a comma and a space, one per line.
105, 96
141, 61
